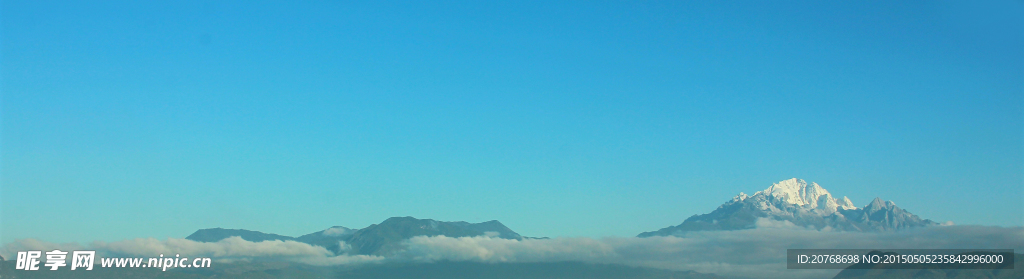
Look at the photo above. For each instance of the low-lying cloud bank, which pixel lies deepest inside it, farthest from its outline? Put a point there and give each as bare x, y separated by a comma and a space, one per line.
228, 249
754, 253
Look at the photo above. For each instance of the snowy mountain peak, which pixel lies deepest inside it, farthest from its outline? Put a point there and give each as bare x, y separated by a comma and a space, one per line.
811, 196
878, 204
803, 204
738, 198
846, 204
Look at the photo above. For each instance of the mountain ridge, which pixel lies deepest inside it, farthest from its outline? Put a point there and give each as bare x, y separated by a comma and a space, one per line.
217, 234
376, 239
803, 204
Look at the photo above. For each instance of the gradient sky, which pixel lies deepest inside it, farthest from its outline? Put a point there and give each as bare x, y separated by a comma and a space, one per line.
140, 119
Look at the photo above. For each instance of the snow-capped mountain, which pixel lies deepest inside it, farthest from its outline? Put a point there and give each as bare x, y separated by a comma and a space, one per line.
803, 204
810, 197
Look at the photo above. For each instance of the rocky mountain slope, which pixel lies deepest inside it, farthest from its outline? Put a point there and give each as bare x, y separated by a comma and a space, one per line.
377, 239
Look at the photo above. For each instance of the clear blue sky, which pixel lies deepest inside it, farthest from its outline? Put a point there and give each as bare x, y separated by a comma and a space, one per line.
141, 119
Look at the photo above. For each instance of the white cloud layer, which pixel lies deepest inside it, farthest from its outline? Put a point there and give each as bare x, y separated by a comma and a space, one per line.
754, 253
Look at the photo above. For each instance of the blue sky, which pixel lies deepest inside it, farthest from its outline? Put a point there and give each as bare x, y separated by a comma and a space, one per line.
138, 119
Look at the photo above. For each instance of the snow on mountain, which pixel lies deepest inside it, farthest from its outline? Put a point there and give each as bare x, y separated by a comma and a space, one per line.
797, 192
803, 204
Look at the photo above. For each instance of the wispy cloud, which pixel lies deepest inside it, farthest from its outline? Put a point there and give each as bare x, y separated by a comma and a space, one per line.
335, 231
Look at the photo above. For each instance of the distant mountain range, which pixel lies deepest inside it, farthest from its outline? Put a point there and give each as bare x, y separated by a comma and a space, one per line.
792, 200
378, 239
804, 205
